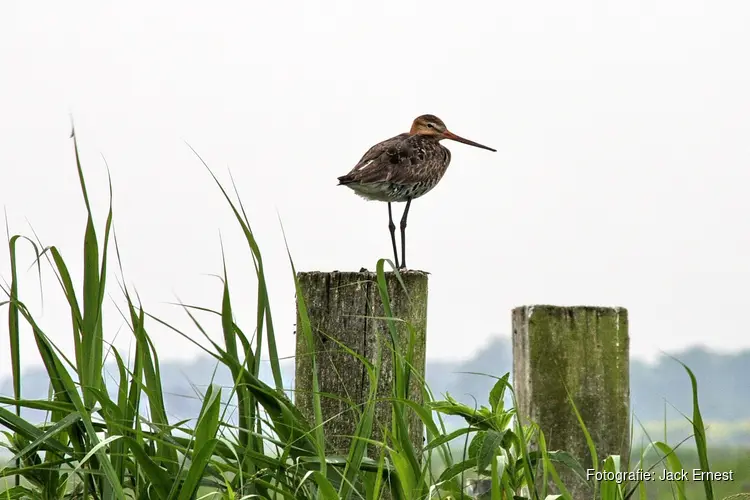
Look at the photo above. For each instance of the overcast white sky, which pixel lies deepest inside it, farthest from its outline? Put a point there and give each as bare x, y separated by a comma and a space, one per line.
621, 176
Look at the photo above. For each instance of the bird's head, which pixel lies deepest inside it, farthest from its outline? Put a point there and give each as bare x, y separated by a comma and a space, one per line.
432, 126
428, 125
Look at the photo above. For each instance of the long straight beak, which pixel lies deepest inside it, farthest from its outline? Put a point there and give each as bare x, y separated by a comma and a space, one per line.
454, 137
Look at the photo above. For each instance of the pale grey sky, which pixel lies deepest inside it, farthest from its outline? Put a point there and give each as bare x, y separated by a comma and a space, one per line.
621, 175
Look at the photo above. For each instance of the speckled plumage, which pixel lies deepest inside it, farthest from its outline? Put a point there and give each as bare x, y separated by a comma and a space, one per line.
398, 169
403, 168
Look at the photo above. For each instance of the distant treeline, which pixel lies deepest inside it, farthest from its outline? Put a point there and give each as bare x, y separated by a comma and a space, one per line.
723, 385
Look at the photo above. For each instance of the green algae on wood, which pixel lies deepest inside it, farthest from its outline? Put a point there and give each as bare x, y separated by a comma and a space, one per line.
586, 350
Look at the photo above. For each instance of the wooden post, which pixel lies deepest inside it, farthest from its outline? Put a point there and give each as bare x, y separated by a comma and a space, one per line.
344, 306
585, 349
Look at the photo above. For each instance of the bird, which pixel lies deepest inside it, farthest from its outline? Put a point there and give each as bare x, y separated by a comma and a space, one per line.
403, 168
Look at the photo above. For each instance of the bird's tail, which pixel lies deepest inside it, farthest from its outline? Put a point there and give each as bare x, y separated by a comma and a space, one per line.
345, 179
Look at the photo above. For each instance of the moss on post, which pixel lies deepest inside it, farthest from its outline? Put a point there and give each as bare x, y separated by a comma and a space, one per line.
583, 349
346, 306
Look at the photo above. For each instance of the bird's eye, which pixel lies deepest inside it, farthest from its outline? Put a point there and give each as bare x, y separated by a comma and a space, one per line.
430, 125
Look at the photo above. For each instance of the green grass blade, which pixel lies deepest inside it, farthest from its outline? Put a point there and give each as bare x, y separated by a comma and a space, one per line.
246, 404
205, 442
699, 431
674, 465
70, 295
400, 378
306, 330
52, 431
264, 308
159, 480
587, 435
497, 464
14, 331
363, 430
90, 371
29, 431
550, 468
610, 489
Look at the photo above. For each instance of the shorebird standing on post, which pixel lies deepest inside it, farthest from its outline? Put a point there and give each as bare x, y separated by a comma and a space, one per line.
403, 168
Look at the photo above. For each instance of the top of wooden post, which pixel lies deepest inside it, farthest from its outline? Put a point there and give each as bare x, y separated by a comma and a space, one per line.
559, 309
365, 272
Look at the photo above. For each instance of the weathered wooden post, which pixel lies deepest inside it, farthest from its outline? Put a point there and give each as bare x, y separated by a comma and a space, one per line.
346, 306
585, 349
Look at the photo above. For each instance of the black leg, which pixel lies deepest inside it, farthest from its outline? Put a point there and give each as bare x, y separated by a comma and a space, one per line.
392, 229
403, 234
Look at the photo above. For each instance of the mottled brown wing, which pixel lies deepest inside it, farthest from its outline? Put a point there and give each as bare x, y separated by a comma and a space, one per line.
394, 160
